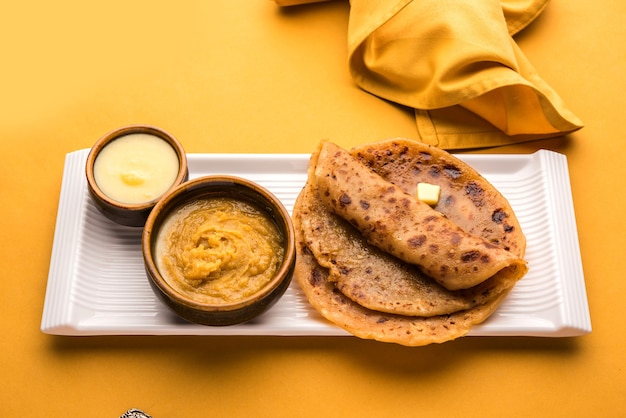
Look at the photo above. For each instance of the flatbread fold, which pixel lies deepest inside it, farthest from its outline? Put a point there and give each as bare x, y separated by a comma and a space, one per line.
359, 280
402, 225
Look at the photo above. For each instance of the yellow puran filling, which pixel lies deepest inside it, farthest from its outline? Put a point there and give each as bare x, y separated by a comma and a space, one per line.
219, 250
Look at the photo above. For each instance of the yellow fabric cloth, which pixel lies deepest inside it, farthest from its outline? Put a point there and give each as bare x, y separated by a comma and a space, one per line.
456, 63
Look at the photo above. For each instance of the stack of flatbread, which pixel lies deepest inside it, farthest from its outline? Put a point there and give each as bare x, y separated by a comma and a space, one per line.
383, 265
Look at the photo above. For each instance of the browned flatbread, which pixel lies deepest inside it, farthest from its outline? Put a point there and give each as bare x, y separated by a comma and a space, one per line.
370, 324
374, 295
400, 224
375, 279
467, 198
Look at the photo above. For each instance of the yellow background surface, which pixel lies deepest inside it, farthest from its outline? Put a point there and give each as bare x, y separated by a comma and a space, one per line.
244, 76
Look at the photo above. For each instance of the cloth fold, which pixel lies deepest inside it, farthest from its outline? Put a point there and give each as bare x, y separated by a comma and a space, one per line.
456, 63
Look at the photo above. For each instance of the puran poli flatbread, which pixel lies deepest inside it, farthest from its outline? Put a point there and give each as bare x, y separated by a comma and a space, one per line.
400, 224
467, 198
374, 279
325, 270
369, 324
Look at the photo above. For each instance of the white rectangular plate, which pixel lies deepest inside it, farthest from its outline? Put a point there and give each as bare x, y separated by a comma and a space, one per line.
97, 284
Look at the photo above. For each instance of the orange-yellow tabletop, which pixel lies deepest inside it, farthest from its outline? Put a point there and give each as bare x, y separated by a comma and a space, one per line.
251, 77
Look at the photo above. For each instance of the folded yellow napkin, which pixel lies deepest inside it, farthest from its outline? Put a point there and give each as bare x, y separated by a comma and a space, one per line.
456, 63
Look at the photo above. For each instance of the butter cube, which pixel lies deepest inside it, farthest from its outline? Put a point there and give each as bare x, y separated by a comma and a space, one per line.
428, 193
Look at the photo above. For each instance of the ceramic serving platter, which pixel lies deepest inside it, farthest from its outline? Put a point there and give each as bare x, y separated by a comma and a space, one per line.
97, 284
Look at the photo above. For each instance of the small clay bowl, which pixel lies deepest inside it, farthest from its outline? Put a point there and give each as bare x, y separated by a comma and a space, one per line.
222, 313
134, 213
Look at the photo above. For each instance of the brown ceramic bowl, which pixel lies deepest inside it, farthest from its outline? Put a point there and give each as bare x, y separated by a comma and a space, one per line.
221, 313
135, 213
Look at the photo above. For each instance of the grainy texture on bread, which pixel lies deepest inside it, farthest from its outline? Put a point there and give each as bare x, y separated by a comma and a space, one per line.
467, 198
375, 295
374, 278
370, 324
400, 224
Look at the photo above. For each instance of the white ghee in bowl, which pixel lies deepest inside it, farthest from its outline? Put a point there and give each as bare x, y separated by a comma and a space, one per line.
136, 168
